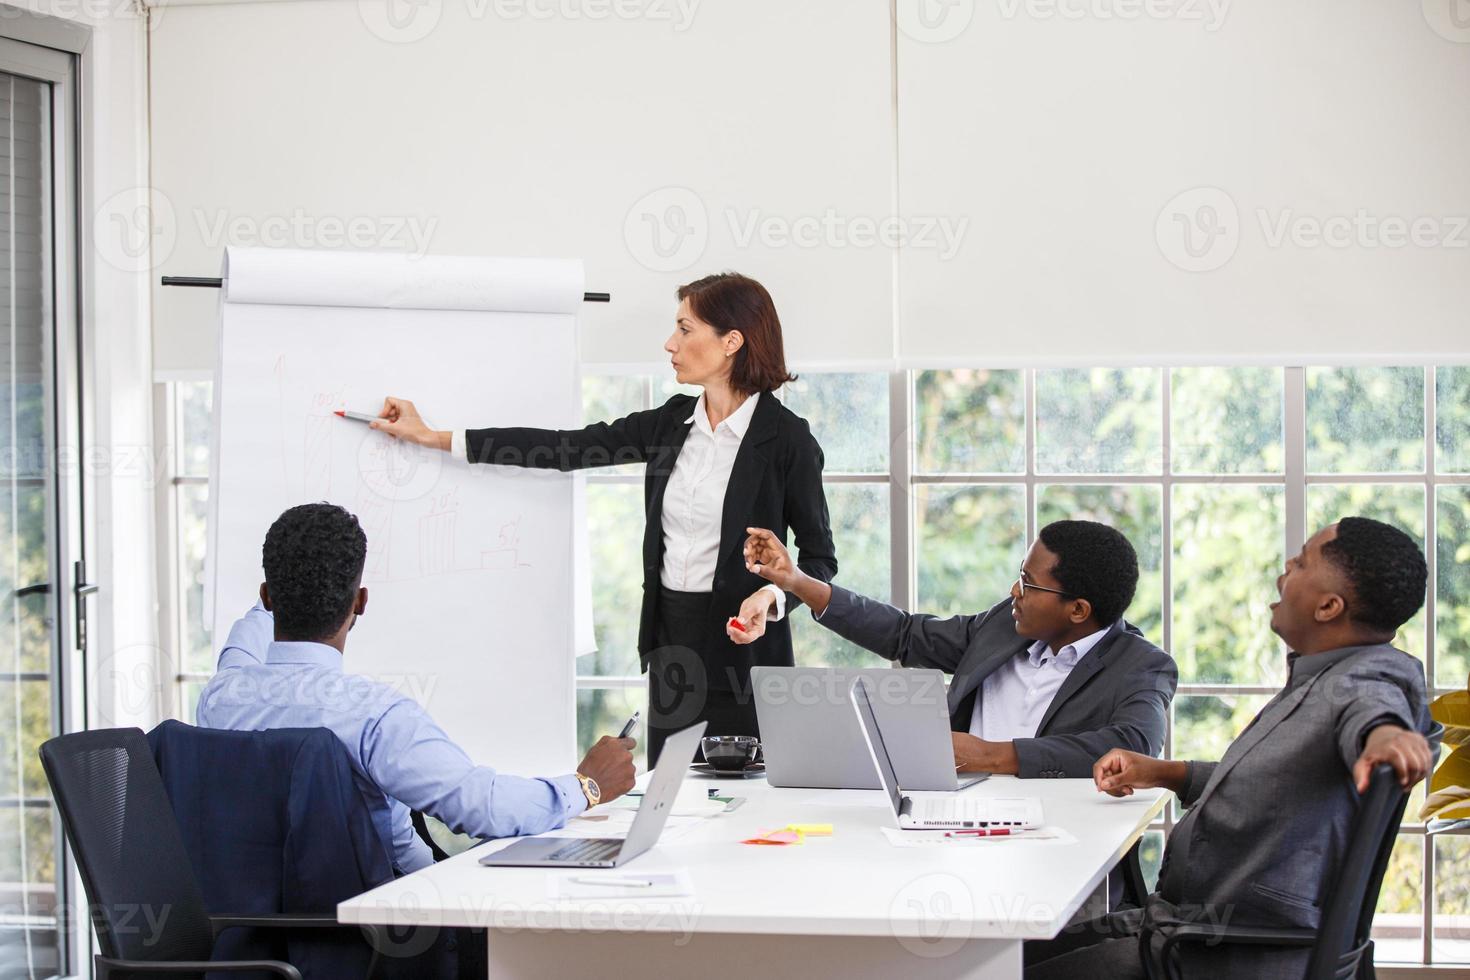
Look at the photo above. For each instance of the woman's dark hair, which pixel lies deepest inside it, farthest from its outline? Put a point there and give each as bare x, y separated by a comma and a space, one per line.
729, 301
313, 558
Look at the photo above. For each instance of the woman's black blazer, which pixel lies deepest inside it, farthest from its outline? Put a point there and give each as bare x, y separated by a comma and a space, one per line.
776, 483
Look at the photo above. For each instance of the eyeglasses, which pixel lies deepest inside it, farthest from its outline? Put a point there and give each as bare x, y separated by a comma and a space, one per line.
1024, 586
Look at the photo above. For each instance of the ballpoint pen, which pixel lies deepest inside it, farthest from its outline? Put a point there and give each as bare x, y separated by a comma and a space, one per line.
615, 882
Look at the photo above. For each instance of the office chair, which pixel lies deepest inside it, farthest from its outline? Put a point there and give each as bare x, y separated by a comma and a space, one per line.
1341, 947
146, 904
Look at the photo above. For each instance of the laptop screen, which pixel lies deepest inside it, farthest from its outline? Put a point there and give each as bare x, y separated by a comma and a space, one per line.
869, 722
663, 789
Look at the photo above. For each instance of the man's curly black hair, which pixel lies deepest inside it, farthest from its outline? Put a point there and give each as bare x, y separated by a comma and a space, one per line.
313, 558
1385, 569
1094, 562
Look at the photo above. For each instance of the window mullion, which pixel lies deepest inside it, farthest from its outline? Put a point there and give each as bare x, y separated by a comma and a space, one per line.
902, 573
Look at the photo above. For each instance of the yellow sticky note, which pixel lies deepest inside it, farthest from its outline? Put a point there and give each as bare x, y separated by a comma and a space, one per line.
811, 829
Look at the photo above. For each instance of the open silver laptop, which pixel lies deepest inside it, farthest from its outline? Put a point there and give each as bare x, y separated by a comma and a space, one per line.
936, 812
611, 852
810, 738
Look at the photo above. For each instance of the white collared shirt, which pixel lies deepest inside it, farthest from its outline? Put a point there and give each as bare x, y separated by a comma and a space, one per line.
1014, 698
694, 501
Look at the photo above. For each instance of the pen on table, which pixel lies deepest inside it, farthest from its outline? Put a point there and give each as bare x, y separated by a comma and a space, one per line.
628, 728
615, 882
356, 416
993, 832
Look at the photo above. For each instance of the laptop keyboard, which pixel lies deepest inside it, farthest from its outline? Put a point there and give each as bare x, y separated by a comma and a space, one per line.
592, 849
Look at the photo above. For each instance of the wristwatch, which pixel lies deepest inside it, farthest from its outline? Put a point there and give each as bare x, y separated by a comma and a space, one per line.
590, 789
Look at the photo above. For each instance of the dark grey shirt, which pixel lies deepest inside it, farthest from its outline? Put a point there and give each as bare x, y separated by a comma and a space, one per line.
1266, 822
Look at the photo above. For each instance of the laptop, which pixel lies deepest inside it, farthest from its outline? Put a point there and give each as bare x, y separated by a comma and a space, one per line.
809, 737
937, 812
610, 852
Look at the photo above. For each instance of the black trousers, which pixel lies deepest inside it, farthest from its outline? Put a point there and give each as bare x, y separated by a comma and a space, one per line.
690, 676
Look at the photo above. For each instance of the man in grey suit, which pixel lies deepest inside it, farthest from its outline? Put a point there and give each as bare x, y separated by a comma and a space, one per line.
1046, 680
1268, 821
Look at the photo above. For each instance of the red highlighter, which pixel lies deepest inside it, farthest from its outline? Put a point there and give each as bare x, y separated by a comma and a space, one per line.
736, 623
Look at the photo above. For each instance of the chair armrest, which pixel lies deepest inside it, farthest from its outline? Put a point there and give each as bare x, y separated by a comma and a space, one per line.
146, 967
1205, 932
1212, 933
375, 936
276, 920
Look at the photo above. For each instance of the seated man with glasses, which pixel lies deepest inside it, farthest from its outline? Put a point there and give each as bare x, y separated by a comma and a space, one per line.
1046, 680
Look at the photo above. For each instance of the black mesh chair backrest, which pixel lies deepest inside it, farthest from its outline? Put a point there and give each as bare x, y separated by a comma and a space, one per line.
1347, 916
145, 902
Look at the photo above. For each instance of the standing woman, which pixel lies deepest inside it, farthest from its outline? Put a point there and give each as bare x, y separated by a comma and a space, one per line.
732, 459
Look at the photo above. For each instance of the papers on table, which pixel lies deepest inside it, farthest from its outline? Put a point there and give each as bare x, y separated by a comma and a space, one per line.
929, 838
693, 801
620, 885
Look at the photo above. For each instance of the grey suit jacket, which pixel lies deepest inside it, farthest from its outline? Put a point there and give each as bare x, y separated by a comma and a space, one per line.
1116, 697
1266, 824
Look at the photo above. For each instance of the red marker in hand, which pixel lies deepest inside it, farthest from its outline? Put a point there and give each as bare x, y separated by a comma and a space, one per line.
736, 623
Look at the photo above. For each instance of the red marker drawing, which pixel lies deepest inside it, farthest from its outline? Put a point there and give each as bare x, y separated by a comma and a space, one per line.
356, 416
736, 623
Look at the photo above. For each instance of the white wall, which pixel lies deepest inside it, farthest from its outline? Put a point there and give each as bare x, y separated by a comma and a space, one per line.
1055, 163
1085, 138
482, 127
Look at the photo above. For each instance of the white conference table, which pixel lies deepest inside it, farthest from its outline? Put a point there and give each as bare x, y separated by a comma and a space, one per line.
852, 905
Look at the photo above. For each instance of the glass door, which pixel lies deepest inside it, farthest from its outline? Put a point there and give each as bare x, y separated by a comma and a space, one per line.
39, 499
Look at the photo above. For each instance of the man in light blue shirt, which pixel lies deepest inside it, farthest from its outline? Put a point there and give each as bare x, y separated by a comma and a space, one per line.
281, 667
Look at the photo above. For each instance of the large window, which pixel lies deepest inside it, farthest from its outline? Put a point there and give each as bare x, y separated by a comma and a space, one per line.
938, 480
1215, 475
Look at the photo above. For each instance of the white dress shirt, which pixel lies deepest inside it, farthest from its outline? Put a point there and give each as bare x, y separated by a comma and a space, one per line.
694, 501
1014, 698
